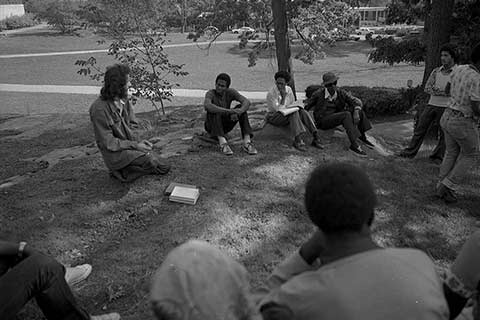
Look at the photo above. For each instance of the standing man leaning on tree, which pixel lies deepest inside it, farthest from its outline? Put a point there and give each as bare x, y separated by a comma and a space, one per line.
435, 86
460, 126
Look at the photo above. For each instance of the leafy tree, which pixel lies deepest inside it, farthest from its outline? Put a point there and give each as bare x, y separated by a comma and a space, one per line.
137, 41
404, 11
61, 14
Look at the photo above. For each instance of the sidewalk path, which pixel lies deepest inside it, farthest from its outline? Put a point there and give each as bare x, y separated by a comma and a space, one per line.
64, 53
94, 90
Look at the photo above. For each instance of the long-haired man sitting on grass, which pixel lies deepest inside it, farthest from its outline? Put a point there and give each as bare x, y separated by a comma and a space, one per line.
113, 119
340, 272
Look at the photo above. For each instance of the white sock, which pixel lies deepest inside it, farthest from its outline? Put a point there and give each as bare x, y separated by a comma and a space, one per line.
246, 139
222, 140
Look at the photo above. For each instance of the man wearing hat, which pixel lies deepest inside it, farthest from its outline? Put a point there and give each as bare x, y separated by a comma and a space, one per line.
333, 106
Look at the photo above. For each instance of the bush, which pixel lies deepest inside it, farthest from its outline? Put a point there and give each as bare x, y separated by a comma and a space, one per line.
17, 22
389, 50
61, 14
379, 101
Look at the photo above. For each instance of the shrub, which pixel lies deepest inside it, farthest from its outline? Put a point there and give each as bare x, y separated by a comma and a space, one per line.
379, 101
61, 14
388, 50
16, 22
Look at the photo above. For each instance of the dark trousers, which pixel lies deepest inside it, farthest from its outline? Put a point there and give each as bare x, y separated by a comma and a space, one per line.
217, 124
42, 278
298, 122
429, 115
147, 164
345, 118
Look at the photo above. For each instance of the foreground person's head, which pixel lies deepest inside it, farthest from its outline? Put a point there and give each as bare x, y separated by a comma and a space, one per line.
340, 200
222, 82
116, 82
197, 282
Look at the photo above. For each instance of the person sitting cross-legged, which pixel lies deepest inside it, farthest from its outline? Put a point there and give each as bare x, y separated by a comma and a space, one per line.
341, 272
333, 106
280, 97
221, 118
113, 119
26, 274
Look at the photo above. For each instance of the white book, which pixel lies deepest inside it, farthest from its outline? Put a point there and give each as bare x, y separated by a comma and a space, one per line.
184, 195
288, 110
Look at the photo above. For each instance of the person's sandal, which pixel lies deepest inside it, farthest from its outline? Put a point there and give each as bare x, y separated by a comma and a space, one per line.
317, 144
250, 149
226, 150
300, 145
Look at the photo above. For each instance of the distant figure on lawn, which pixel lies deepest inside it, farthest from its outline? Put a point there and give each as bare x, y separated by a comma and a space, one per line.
221, 117
435, 86
460, 127
284, 111
333, 106
113, 119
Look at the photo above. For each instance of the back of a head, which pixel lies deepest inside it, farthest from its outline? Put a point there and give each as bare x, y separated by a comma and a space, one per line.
339, 198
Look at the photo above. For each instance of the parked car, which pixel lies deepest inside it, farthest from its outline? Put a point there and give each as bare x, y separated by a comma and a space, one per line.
243, 29
363, 30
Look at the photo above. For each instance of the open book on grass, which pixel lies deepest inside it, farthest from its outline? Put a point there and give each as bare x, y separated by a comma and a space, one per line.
291, 108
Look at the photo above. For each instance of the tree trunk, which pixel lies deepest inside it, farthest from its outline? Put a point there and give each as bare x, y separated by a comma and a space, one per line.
282, 43
437, 32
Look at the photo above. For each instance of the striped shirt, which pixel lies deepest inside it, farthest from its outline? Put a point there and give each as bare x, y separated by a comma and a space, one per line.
465, 88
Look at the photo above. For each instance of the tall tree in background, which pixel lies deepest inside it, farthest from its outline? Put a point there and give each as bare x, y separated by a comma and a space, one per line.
282, 43
438, 28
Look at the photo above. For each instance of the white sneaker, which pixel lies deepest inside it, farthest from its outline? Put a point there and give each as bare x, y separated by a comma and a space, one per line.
77, 274
107, 316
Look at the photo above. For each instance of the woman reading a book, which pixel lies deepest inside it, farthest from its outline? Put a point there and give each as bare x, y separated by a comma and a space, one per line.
283, 111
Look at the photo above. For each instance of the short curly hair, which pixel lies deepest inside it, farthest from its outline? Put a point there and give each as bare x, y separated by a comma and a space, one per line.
225, 77
115, 82
282, 74
452, 51
340, 198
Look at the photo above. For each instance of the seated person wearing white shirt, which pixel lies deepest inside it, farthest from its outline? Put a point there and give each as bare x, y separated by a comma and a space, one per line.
280, 97
341, 273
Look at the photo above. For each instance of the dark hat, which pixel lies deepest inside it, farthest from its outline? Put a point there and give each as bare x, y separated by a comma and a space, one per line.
328, 78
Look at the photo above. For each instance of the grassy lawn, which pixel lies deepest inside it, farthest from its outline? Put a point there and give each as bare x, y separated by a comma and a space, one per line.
348, 59
250, 206
48, 40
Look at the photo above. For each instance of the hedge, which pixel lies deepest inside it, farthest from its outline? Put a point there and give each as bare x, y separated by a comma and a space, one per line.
17, 22
380, 101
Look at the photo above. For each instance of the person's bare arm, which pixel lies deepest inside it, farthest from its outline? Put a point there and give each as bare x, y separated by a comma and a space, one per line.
213, 108
244, 103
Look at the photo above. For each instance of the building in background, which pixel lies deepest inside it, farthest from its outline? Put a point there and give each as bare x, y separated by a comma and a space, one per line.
10, 8
371, 16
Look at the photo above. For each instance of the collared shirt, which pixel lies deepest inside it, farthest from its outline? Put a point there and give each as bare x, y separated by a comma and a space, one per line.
225, 99
465, 88
378, 284
438, 78
113, 133
274, 98
330, 97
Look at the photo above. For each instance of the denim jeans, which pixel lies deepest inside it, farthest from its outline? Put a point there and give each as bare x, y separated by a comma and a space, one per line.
42, 278
430, 114
462, 147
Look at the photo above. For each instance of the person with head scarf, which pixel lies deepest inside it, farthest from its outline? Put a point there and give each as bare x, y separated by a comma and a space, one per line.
197, 281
